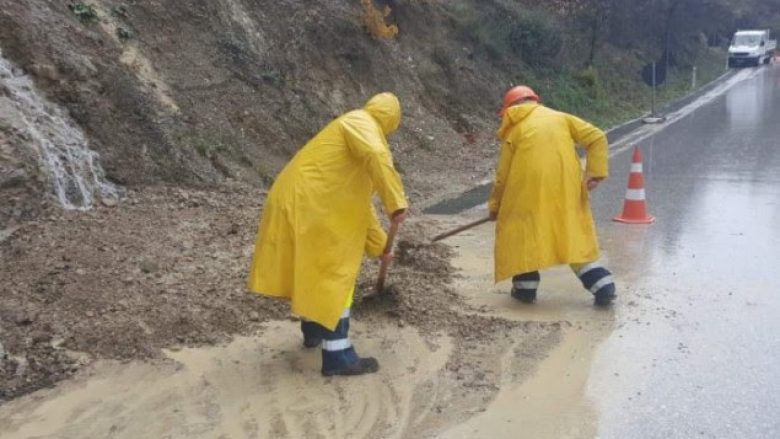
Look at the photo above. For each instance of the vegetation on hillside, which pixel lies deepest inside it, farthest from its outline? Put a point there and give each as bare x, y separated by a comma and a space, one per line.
585, 56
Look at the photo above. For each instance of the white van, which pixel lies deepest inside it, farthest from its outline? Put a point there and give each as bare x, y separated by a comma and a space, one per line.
751, 48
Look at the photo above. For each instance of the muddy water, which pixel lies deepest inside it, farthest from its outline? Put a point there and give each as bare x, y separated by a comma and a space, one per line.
550, 402
254, 387
430, 385
268, 386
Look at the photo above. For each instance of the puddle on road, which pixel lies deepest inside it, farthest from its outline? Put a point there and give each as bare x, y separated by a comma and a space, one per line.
254, 387
530, 378
552, 402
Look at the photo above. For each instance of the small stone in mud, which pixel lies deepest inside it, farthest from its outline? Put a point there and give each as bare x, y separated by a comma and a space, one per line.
41, 337
23, 319
148, 266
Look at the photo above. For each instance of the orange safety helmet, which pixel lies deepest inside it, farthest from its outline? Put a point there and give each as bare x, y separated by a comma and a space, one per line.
515, 94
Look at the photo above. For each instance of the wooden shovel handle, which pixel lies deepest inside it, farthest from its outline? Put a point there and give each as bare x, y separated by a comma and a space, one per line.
380, 283
463, 228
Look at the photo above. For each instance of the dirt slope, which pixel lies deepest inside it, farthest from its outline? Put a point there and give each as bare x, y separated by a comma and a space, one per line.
200, 92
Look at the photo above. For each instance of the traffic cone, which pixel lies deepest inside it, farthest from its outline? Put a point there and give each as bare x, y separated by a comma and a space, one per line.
635, 208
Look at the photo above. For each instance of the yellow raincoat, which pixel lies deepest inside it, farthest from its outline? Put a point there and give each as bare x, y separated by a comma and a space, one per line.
318, 219
544, 216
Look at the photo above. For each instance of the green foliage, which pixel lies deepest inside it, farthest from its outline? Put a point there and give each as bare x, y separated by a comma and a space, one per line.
120, 11
425, 143
536, 39
504, 31
584, 56
489, 30
265, 173
589, 80
123, 33
205, 144
86, 13
588, 77
610, 96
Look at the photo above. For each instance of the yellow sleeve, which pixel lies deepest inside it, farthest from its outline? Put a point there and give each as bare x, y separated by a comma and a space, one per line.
377, 238
595, 143
502, 173
366, 142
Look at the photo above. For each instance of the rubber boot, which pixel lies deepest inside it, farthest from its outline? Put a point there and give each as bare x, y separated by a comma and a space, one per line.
598, 280
605, 295
524, 286
312, 334
338, 354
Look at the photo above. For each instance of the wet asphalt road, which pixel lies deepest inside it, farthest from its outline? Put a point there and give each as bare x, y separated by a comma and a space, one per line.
696, 352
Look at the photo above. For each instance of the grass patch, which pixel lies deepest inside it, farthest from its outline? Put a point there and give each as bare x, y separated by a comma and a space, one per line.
265, 173
528, 45
120, 11
426, 144
86, 13
206, 145
123, 33
614, 92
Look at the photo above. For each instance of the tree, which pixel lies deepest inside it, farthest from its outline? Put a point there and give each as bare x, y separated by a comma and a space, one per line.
589, 16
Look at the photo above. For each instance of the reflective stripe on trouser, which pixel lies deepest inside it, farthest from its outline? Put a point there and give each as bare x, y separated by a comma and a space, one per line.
594, 277
526, 282
337, 351
313, 331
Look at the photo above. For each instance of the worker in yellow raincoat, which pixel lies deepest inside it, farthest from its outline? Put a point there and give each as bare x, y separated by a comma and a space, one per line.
319, 220
540, 199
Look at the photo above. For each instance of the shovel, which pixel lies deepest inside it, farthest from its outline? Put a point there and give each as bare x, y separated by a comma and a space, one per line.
380, 282
463, 228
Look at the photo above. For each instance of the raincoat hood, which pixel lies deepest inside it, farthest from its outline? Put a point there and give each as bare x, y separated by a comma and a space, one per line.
386, 109
514, 115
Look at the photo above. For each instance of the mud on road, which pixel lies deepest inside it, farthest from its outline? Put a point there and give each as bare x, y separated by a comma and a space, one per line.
153, 291
165, 268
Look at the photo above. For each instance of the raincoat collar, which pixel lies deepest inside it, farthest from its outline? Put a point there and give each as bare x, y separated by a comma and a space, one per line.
386, 109
515, 115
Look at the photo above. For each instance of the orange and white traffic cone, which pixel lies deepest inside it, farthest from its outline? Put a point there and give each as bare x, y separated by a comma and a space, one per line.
635, 207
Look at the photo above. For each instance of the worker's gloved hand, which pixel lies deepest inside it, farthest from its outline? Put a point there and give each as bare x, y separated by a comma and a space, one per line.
593, 182
399, 216
387, 258
493, 216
